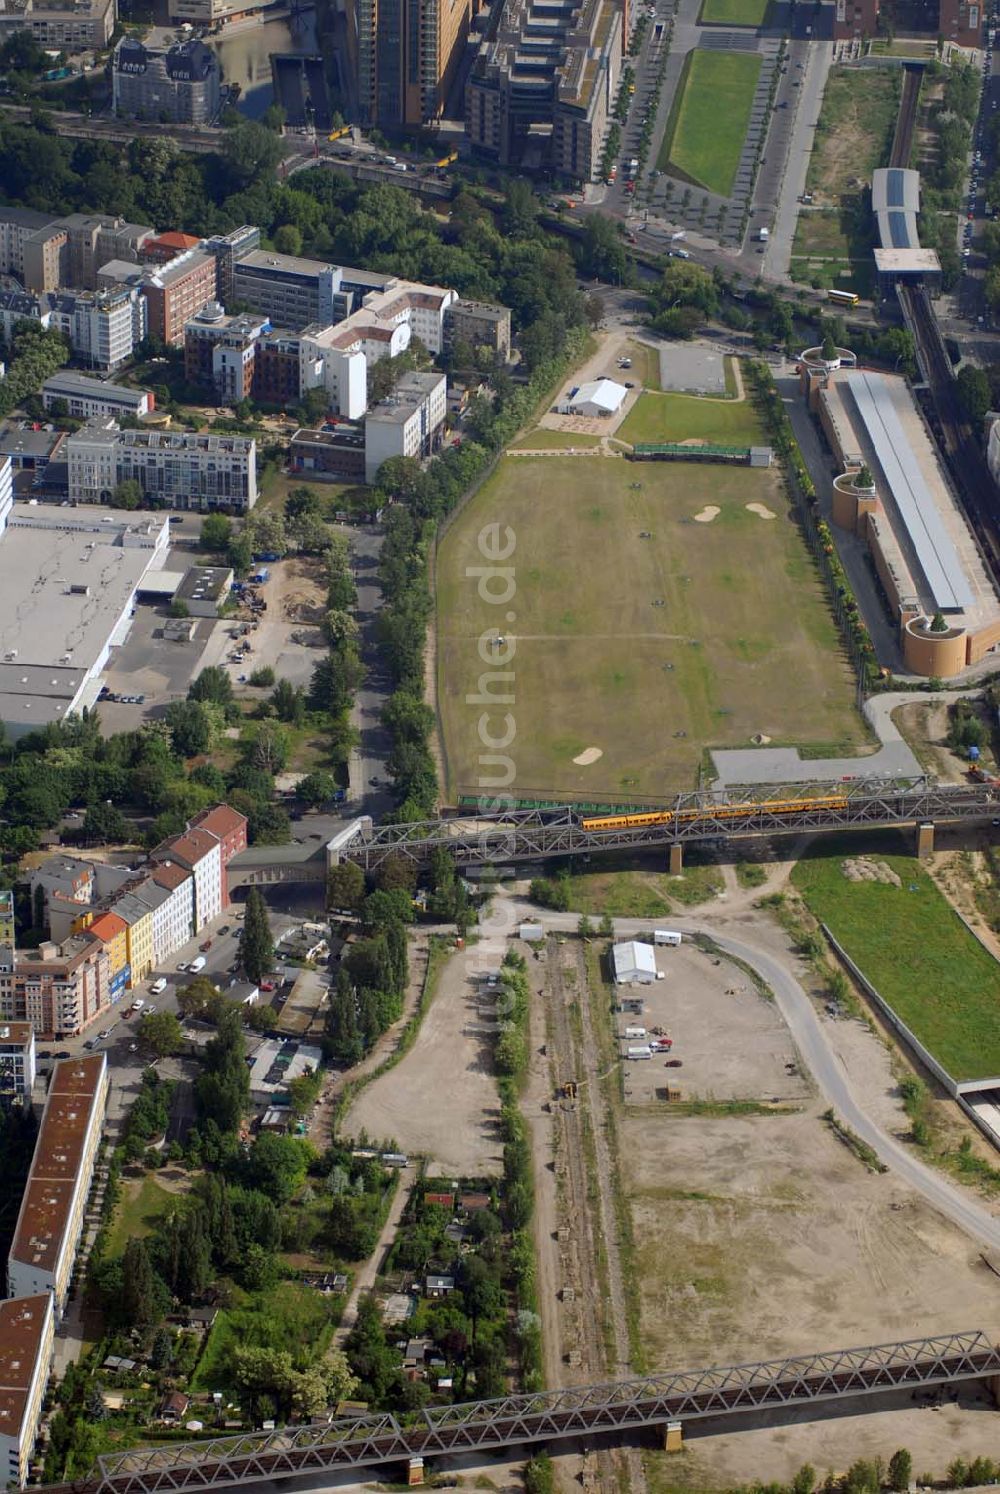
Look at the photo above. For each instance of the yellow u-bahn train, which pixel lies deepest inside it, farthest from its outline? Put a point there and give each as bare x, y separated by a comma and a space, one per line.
642, 818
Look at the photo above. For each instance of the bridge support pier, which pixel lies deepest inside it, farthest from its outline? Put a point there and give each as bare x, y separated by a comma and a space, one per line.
993, 1386
673, 1437
925, 840
415, 1472
676, 863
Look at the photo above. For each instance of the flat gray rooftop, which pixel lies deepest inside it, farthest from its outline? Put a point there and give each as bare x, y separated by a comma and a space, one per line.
52, 636
935, 553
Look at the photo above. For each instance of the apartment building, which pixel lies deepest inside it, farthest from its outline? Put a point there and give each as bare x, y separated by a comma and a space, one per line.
62, 25
478, 324
290, 291
175, 469
230, 829
112, 931
46, 258
94, 238
86, 397
175, 292
60, 988
103, 326
17, 1063
168, 892
167, 246
408, 423
200, 853
137, 916
6, 914
17, 227
176, 84
546, 70
62, 1169
220, 351
27, 1334
407, 54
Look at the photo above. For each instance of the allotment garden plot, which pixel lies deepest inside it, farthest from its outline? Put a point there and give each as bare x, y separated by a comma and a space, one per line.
658, 609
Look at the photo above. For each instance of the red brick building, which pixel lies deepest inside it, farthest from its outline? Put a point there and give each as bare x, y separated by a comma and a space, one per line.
230, 829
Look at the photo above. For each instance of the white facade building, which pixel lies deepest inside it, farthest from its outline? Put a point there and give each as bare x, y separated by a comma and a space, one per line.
200, 853
6, 491
169, 891
332, 360
87, 397
178, 469
408, 423
17, 1063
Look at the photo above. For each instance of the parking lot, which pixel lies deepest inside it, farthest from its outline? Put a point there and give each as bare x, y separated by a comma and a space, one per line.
730, 1040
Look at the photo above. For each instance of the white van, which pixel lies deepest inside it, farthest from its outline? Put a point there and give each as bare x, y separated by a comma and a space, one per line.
196, 965
635, 1032
158, 987
666, 936
637, 1053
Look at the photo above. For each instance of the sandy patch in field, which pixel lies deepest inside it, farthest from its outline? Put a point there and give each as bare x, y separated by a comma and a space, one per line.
709, 512
761, 509
588, 755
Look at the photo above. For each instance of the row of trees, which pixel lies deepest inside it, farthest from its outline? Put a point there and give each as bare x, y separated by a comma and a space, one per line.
32, 357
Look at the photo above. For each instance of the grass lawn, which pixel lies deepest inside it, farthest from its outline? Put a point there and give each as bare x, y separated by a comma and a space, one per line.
545, 440
291, 1317
143, 1204
708, 122
276, 485
597, 664
916, 952
854, 133
733, 12
641, 894
690, 417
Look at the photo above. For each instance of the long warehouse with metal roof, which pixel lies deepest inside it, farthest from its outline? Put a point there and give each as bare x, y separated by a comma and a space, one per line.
896, 203
894, 494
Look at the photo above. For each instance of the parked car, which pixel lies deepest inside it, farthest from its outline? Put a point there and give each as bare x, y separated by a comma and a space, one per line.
206, 946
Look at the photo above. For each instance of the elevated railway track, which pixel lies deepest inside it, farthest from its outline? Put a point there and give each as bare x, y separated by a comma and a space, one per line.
626, 1407
689, 819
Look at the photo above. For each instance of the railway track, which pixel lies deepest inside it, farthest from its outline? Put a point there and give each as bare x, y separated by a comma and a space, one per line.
906, 119
975, 486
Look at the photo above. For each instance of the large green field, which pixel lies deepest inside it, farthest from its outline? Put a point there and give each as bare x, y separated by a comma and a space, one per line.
689, 417
733, 12
917, 954
742, 643
708, 122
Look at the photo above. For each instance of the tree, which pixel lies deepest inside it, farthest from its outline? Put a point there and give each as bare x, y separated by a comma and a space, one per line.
162, 1032
602, 252
105, 824
251, 152
256, 944
190, 730
127, 495
216, 533
289, 702
315, 789
345, 885
142, 1291
288, 239
539, 1475
972, 388
276, 1165
382, 909
196, 996
212, 684
900, 1470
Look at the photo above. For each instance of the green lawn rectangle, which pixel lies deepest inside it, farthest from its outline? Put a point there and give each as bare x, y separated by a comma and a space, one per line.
143, 1204
658, 608
916, 952
688, 417
708, 123
291, 1317
733, 12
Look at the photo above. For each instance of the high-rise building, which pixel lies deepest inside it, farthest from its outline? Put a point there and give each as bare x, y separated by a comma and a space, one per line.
407, 55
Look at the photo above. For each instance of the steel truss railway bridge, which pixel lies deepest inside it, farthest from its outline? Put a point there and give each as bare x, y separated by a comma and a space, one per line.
535, 834
626, 1406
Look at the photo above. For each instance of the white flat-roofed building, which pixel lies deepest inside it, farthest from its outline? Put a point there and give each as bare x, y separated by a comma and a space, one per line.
177, 469
62, 1169
27, 1333
408, 423
6, 491
68, 584
86, 397
634, 962
17, 1063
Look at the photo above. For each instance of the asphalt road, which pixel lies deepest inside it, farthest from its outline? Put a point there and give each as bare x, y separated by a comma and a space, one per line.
827, 1070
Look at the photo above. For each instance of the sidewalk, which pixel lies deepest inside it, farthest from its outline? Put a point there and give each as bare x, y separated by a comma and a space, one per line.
372, 1268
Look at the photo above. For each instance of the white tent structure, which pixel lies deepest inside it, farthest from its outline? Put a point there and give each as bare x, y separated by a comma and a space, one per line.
598, 397
634, 962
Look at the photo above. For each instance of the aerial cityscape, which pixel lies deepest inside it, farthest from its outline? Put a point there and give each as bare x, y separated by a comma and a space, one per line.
499, 746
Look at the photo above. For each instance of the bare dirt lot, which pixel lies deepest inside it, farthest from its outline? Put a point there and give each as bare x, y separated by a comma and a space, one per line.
731, 1042
441, 1101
